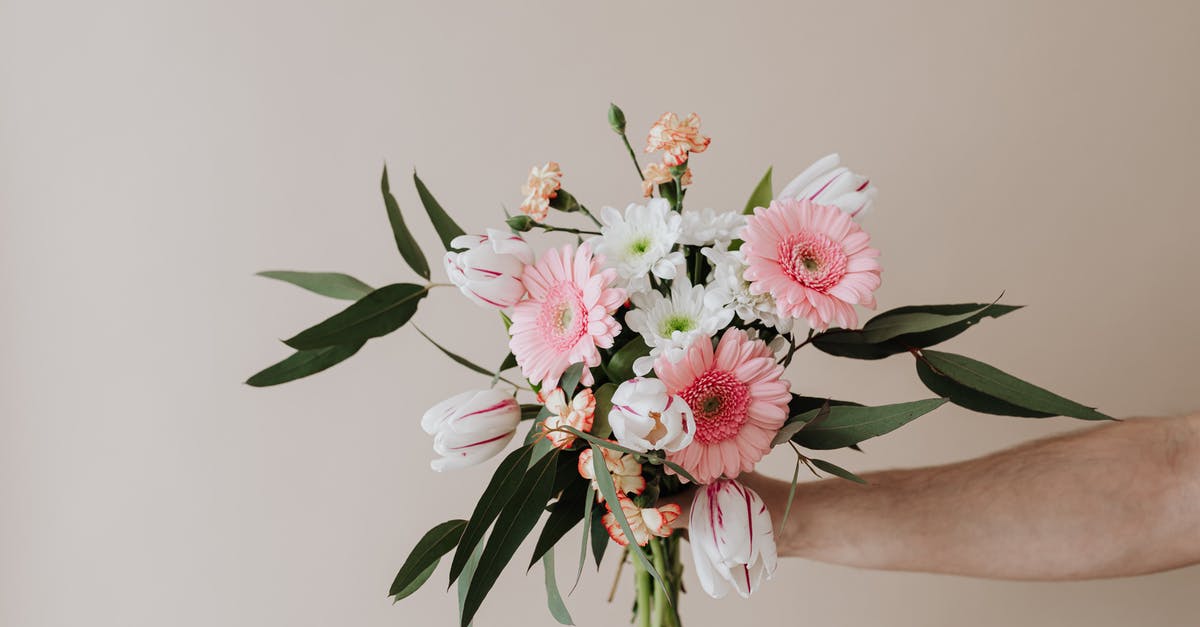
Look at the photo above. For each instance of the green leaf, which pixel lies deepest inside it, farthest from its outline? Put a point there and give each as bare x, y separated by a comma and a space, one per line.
993, 382
787, 510
620, 366
589, 502
445, 226
554, 599
806, 420
600, 426
376, 314
605, 483
837, 471
304, 363
462, 361
331, 284
762, 195
954, 319
848, 425
510, 361
409, 249
565, 514
464, 580
499, 491
801, 404
516, 520
429, 550
415, 584
882, 328
600, 537
570, 379
964, 396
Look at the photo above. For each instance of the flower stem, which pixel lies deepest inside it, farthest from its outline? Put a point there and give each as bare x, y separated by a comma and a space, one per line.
633, 155
644, 584
661, 605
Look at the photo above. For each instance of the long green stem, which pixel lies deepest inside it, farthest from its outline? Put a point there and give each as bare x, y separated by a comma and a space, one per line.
633, 155
660, 596
644, 584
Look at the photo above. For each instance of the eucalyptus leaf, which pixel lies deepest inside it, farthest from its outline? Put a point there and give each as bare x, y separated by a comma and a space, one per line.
993, 382
605, 483
589, 503
600, 425
566, 512
570, 379
447, 229
462, 361
762, 195
620, 366
331, 284
851, 343
964, 396
464, 579
515, 522
376, 314
409, 249
304, 363
837, 471
558, 609
599, 536
429, 550
496, 495
883, 328
848, 425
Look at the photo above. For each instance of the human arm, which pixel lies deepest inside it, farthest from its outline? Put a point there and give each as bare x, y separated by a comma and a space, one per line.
1117, 500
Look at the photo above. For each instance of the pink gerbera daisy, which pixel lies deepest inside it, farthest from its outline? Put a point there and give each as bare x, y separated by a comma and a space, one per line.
567, 315
814, 260
738, 398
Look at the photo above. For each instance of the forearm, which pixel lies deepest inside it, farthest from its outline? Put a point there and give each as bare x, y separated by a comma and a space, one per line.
1118, 500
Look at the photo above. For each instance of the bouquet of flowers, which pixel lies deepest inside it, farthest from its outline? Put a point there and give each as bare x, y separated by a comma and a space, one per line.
648, 356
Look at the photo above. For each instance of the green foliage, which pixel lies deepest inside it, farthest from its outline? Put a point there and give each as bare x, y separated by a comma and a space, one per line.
600, 426
496, 495
762, 194
374, 315
566, 512
462, 361
425, 556
445, 226
991, 381
331, 284
964, 396
554, 599
900, 330
304, 363
409, 249
516, 520
589, 502
847, 425
605, 483
837, 471
619, 367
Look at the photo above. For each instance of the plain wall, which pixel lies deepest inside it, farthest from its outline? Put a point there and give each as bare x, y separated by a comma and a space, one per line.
155, 154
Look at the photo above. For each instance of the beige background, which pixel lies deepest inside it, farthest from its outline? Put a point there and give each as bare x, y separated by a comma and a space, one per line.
153, 155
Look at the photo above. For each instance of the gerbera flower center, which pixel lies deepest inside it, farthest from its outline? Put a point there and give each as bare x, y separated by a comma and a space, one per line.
720, 403
812, 260
563, 316
675, 323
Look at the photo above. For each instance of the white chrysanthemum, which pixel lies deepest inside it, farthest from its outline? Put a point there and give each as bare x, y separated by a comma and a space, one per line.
639, 243
729, 288
669, 325
708, 226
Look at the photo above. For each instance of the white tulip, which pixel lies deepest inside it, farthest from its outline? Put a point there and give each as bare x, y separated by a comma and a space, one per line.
645, 417
489, 270
827, 183
733, 543
471, 427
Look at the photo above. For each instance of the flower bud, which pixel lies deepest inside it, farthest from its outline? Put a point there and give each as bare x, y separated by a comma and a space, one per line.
471, 427
520, 223
732, 539
827, 183
489, 270
644, 417
616, 119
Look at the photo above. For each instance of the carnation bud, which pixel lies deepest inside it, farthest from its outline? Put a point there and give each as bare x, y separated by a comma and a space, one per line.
677, 171
616, 119
521, 223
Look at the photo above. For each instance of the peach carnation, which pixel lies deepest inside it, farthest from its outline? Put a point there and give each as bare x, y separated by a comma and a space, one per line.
677, 138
